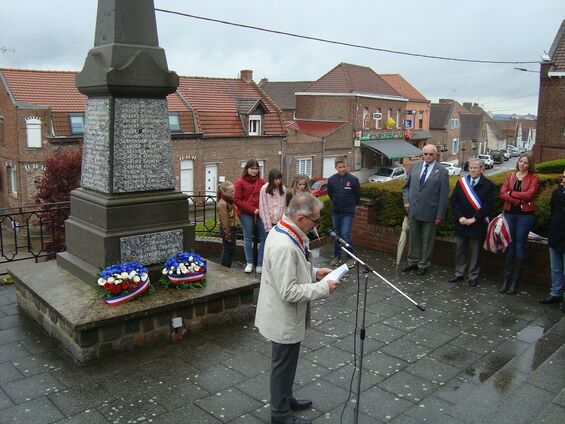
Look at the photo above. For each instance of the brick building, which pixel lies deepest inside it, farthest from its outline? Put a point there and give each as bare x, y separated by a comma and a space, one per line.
550, 138
367, 115
216, 125
283, 94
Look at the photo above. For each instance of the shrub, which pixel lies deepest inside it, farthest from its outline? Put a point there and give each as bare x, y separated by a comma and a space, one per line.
556, 166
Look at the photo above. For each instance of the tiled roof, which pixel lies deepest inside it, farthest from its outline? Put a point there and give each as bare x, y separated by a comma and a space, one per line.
214, 100
439, 115
215, 103
282, 92
316, 128
470, 126
557, 50
403, 87
347, 78
55, 89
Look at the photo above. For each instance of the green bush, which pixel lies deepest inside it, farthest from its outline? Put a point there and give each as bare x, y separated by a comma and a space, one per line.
390, 209
556, 166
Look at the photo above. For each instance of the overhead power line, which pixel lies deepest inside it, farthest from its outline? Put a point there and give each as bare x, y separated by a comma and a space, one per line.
513, 108
341, 43
512, 98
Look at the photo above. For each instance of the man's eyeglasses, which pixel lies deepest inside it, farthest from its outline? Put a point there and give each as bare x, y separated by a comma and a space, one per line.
315, 221
428, 154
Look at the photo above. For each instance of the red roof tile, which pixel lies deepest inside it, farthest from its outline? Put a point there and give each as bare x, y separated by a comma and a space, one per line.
55, 89
403, 87
315, 128
347, 78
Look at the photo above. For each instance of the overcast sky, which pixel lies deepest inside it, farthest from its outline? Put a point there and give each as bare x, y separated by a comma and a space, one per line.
57, 34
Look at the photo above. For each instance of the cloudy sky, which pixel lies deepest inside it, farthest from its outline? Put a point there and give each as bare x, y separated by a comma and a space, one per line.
57, 34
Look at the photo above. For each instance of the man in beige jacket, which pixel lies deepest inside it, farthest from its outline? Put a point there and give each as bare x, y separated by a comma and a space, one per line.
288, 283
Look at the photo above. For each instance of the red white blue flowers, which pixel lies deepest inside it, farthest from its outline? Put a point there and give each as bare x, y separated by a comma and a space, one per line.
122, 282
185, 269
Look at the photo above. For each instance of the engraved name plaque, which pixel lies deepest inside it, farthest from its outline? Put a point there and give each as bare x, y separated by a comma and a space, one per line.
152, 248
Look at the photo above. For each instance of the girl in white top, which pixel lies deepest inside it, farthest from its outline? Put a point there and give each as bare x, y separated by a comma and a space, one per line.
272, 200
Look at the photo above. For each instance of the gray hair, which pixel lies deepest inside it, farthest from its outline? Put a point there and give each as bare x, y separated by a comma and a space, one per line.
480, 162
303, 204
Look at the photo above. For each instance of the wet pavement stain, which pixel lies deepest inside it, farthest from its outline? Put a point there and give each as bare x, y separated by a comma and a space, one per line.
530, 334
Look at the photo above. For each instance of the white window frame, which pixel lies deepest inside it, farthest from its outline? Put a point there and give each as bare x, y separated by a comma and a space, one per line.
398, 115
379, 121
76, 116
304, 166
33, 132
454, 123
455, 146
254, 124
174, 122
12, 179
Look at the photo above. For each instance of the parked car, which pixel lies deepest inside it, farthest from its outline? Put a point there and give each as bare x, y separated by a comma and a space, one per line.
506, 154
452, 169
497, 156
487, 160
513, 150
387, 173
318, 186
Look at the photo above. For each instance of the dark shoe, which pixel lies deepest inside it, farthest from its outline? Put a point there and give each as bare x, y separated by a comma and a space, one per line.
421, 271
409, 268
298, 404
550, 299
518, 268
473, 282
455, 279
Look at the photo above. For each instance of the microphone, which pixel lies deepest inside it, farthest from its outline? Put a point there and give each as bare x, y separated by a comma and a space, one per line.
341, 241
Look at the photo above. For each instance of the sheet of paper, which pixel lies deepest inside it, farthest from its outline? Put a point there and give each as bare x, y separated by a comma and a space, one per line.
337, 273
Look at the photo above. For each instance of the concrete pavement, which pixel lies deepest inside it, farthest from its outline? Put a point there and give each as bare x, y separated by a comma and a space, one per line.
473, 356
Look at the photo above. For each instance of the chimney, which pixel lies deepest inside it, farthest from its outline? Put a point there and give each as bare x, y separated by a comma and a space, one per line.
446, 100
468, 106
246, 75
263, 81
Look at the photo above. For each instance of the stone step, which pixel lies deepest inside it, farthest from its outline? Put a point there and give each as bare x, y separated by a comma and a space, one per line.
520, 390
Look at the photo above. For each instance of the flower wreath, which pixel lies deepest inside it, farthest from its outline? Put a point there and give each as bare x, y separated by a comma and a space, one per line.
122, 282
184, 270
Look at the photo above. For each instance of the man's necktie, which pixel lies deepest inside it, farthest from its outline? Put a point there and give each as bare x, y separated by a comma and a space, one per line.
423, 176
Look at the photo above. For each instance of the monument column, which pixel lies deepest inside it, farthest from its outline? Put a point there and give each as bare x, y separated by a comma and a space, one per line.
127, 207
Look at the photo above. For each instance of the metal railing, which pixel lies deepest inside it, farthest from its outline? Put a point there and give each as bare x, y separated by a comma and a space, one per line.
37, 232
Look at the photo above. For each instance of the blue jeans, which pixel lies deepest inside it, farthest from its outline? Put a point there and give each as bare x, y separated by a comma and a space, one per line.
520, 226
251, 223
557, 260
342, 227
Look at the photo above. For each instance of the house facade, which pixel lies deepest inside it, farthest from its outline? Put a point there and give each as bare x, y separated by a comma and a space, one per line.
216, 125
550, 137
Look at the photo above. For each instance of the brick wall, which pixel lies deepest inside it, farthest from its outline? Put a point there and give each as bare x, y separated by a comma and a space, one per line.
365, 233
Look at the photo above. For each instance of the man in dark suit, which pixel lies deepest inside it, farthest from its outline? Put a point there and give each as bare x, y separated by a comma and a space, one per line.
425, 195
472, 201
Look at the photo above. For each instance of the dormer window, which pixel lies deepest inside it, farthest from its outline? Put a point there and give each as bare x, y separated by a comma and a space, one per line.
174, 122
77, 123
454, 123
254, 124
33, 132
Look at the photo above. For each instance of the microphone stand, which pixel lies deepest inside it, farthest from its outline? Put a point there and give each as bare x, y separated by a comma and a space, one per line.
366, 270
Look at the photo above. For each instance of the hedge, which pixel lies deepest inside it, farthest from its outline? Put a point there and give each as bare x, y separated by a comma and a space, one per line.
390, 208
556, 166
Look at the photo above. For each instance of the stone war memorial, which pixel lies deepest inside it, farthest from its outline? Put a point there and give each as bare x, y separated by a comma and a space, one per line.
127, 208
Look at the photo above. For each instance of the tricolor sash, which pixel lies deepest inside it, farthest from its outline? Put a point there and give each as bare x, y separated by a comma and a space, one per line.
284, 228
121, 298
471, 196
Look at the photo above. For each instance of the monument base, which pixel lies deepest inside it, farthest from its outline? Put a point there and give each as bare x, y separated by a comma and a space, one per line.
88, 329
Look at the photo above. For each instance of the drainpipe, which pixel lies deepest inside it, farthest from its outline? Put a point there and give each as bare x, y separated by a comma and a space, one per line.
323, 155
281, 159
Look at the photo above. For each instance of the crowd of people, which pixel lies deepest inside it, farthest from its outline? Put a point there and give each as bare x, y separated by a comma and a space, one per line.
281, 218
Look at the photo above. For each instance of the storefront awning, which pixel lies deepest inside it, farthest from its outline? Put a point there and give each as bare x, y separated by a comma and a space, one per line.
392, 149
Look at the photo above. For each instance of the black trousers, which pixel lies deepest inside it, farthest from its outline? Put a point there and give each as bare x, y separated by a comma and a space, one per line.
284, 360
228, 248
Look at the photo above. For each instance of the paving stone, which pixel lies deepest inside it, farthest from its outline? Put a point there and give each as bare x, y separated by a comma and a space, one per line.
408, 386
352, 344
35, 364
408, 351
37, 411
170, 370
78, 399
257, 387
432, 410
434, 370
427, 337
11, 335
178, 394
551, 374
9, 373
90, 416
10, 309
11, 321
330, 357
384, 333
454, 355
189, 414
343, 378
551, 414
249, 364
128, 410
307, 372
323, 394
317, 339
406, 321
247, 419
383, 364
4, 300
228, 404
32, 387
476, 342
560, 398
217, 378
204, 355
5, 400
382, 405
335, 417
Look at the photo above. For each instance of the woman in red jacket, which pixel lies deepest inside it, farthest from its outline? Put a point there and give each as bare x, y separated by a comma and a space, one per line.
518, 192
246, 198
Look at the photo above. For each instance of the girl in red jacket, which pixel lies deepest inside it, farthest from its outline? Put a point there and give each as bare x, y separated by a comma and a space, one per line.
519, 194
246, 198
